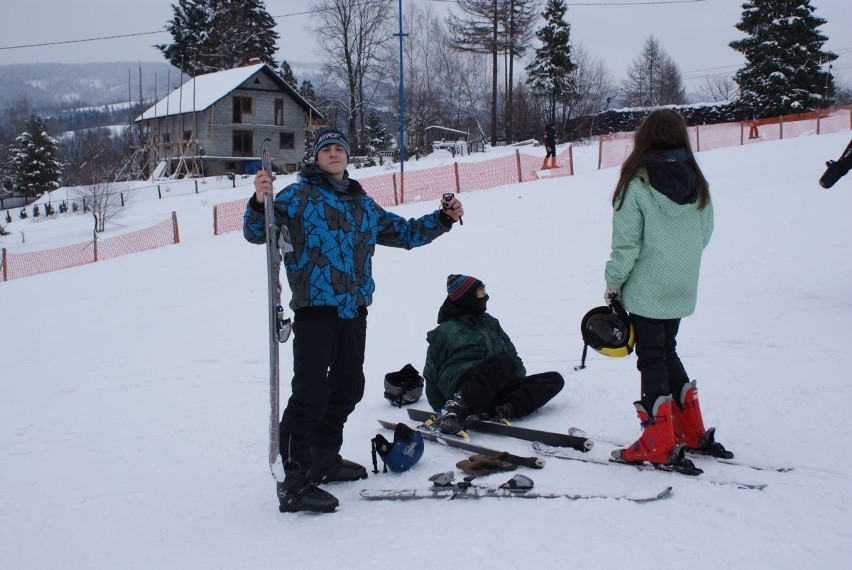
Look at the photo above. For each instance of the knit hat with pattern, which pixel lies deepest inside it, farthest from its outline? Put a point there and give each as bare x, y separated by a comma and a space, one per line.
459, 286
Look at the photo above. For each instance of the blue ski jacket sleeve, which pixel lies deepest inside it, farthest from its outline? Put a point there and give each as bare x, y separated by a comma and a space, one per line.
334, 237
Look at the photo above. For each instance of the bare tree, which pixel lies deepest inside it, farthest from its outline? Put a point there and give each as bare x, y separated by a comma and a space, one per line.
653, 78
102, 197
593, 83
519, 17
717, 88
479, 33
353, 34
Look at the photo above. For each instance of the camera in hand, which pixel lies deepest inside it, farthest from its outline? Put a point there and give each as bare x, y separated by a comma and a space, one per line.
446, 199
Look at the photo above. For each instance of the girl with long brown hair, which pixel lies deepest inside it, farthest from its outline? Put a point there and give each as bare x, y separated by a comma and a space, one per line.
662, 221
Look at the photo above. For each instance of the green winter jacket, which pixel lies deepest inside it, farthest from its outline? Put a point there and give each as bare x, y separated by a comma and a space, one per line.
458, 344
656, 251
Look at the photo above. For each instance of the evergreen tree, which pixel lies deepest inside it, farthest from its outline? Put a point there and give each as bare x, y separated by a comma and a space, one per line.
286, 73
35, 167
551, 71
377, 133
213, 35
784, 55
307, 91
653, 78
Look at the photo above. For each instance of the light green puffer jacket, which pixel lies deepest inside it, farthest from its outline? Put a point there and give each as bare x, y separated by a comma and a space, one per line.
656, 252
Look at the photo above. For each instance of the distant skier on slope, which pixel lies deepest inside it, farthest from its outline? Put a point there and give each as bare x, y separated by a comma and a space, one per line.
662, 221
549, 146
333, 227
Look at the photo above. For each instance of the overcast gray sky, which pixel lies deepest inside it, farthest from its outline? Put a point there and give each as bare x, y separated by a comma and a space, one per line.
695, 34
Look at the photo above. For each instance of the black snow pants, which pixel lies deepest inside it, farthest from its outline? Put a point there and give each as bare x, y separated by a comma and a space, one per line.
493, 382
660, 367
328, 381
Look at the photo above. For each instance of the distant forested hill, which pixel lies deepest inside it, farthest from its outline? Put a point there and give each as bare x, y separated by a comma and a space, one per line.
52, 86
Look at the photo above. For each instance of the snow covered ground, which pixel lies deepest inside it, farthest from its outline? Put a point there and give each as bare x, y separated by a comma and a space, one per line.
134, 392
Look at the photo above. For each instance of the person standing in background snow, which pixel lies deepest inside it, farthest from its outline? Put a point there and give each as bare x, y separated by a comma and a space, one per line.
550, 146
662, 221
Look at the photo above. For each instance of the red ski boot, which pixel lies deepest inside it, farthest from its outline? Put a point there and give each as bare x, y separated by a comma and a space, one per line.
657, 444
688, 425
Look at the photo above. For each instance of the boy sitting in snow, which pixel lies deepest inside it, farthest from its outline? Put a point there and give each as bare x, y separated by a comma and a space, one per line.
472, 366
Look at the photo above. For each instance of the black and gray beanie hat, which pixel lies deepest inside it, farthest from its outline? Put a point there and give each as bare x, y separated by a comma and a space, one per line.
329, 136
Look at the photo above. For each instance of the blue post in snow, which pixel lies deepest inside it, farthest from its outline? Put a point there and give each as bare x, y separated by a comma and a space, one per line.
401, 111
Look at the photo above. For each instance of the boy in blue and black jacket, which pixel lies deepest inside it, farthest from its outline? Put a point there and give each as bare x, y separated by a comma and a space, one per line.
333, 228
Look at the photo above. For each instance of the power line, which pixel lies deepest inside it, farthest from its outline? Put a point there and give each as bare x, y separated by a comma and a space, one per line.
83, 40
303, 13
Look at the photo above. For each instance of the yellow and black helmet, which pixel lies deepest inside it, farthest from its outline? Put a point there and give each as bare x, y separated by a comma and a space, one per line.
608, 331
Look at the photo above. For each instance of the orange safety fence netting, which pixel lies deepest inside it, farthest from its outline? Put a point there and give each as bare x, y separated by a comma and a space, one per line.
615, 148
17, 265
426, 184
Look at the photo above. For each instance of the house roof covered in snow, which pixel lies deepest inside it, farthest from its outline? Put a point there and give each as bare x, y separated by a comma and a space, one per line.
202, 91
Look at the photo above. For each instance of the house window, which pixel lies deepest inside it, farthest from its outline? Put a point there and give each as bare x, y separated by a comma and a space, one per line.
279, 112
167, 137
287, 141
242, 106
243, 143
187, 135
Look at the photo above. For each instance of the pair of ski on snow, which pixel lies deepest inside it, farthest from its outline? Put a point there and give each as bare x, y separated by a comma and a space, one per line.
570, 446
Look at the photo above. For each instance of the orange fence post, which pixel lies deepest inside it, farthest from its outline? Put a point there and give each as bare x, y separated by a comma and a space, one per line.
395, 197
216, 220
456, 172
175, 227
518, 163
781, 127
5, 271
95, 245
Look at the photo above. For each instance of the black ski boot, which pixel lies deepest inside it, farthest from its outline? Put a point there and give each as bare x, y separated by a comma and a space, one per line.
327, 466
451, 420
298, 493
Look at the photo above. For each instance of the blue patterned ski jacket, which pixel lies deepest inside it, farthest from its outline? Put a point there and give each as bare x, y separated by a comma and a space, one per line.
334, 235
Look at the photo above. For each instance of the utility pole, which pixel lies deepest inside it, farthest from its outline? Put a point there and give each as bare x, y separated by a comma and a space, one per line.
401, 144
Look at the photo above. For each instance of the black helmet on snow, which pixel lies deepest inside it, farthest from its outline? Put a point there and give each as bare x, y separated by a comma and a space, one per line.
403, 387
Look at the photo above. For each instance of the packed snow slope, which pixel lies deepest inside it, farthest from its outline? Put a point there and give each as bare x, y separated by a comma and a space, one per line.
135, 391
